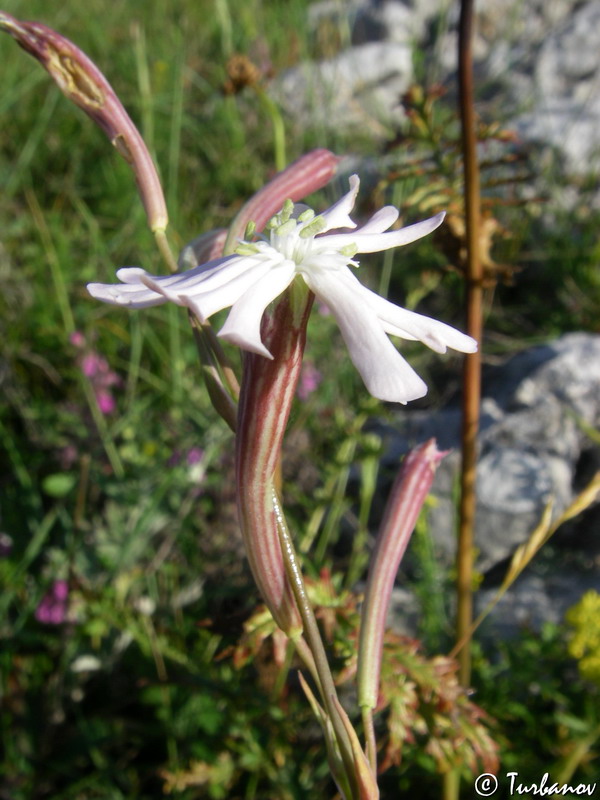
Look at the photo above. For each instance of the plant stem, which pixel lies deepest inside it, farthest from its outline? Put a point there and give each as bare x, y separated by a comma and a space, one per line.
165, 250
274, 113
313, 638
370, 741
472, 369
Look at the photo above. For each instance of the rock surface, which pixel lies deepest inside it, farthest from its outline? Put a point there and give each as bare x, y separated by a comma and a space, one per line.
535, 447
536, 67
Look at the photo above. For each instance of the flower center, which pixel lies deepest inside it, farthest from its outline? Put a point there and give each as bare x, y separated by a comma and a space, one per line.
291, 233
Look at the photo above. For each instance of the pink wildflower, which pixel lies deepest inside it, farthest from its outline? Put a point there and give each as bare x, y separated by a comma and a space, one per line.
52, 609
194, 456
310, 378
77, 339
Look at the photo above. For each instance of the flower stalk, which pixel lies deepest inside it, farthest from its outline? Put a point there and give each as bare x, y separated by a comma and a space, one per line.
474, 323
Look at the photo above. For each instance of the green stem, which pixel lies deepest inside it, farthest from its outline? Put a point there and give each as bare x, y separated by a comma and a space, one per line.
274, 113
165, 249
370, 741
313, 637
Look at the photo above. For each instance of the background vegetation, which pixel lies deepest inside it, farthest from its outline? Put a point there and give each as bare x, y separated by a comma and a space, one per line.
116, 474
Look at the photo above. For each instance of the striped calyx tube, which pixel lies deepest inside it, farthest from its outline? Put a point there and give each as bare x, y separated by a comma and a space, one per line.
267, 392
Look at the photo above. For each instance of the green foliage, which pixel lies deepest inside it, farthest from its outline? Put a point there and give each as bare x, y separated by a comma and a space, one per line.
529, 686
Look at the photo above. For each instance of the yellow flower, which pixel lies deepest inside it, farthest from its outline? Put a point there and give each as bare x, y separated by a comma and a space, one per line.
584, 644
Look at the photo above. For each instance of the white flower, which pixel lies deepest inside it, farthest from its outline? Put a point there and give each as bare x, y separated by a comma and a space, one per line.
300, 245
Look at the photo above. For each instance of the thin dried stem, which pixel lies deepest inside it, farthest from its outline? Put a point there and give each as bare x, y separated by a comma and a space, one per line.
472, 368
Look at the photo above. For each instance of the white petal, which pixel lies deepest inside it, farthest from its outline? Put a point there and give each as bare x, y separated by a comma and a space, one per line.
199, 279
207, 297
375, 242
142, 290
337, 216
381, 220
399, 321
437, 335
131, 275
385, 373
134, 296
242, 326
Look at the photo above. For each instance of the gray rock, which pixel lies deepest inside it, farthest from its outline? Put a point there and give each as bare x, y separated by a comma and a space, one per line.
537, 69
361, 86
531, 444
534, 600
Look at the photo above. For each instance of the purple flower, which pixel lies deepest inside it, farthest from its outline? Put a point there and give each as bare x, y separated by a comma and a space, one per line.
97, 369
310, 378
105, 400
195, 456
52, 609
77, 339
6, 544
92, 365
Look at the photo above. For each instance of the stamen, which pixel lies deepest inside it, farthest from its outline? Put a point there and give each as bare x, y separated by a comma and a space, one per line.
316, 226
349, 250
246, 249
286, 211
307, 215
286, 228
250, 230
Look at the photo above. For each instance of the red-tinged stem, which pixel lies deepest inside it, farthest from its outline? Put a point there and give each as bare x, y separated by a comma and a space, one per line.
408, 494
472, 368
307, 174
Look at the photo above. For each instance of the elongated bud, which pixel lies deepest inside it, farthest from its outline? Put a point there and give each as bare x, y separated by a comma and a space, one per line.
305, 175
267, 392
83, 83
406, 500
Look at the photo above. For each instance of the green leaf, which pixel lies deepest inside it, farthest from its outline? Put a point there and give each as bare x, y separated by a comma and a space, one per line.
59, 484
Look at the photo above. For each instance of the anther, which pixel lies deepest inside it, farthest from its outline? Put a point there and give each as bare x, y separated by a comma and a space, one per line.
318, 225
307, 215
286, 228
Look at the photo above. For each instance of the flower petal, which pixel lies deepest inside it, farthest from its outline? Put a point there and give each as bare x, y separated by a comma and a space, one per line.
375, 242
217, 291
337, 216
399, 321
134, 296
385, 373
242, 326
380, 221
